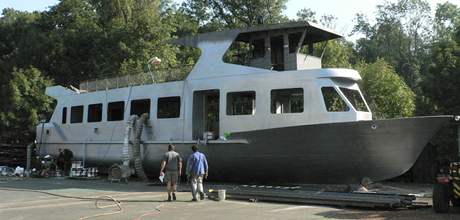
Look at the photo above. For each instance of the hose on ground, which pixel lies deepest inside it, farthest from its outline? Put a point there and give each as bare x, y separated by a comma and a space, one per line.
97, 203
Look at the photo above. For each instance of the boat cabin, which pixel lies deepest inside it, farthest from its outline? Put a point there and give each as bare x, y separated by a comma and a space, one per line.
250, 79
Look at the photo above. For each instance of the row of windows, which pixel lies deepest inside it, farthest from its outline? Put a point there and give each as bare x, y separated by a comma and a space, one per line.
291, 101
283, 101
168, 107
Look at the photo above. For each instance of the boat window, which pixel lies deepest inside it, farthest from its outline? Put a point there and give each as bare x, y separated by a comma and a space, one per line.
258, 48
294, 39
286, 101
64, 115
355, 99
95, 112
333, 101
76, 114
140, 106
168, 107
115, 111
241, 103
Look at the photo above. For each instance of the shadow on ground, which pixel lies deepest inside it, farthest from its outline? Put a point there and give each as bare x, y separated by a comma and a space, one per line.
419, 213
102, 184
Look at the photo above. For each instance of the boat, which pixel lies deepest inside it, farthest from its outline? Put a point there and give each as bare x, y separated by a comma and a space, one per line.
257, 103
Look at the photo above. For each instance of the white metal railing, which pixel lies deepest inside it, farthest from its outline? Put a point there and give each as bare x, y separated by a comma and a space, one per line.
135, 80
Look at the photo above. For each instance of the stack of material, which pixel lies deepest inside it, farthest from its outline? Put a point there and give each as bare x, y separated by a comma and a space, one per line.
297, 195
78, 170
92, 172
13, 155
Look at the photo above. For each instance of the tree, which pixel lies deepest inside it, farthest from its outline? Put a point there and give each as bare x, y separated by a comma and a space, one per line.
401, 36
21, 43
337, 53
386, 93
76, 43
235, 13
101, 38
447, 17
28, 104
442, 82
306, 14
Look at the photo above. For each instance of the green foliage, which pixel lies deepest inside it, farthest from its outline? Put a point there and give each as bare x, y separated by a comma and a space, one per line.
400, 36
386, 93
28, 103
442, 82
338, 54
306, 14
221, 14
447, 17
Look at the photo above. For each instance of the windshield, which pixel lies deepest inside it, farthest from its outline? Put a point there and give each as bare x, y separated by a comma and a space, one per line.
355, 99
333, 101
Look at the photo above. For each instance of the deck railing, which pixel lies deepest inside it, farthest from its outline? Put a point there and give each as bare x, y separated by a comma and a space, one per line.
159, 75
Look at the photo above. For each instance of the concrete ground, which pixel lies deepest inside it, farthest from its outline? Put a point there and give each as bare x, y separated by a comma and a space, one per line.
17, 202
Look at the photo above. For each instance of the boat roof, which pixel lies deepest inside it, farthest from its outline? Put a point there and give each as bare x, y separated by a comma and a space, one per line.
315, 33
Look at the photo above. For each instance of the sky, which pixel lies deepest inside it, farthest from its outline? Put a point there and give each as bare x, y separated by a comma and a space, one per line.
344, 10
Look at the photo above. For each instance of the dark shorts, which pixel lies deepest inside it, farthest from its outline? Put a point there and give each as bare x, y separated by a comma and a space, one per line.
171, 176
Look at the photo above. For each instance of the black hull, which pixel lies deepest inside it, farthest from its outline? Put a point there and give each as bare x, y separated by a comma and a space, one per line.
336, 153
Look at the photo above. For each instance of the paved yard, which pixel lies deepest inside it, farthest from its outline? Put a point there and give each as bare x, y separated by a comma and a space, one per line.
147, 202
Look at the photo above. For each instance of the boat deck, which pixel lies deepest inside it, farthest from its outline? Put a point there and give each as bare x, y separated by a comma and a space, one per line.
21, 200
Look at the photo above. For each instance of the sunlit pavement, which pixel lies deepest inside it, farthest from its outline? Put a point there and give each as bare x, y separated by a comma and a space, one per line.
142, 201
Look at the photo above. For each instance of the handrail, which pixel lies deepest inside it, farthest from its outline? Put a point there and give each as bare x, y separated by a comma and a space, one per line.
159, 75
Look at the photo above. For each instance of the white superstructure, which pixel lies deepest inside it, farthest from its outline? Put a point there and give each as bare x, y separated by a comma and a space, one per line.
278, 87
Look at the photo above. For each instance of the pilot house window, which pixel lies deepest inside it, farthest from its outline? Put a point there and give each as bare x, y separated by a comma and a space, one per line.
95, 112
355, 98
168, 107
115, 111
241, 103
286, 101
333, 101
76, 114
140, 106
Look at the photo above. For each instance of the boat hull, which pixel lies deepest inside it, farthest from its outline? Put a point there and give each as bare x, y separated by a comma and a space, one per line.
330, 153
335, 153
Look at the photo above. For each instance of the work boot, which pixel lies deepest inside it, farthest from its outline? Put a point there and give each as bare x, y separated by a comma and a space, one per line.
174, 196
201, 195
169, 198
194, 200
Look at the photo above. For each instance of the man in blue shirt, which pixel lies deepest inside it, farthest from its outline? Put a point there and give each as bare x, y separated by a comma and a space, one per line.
197, 168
